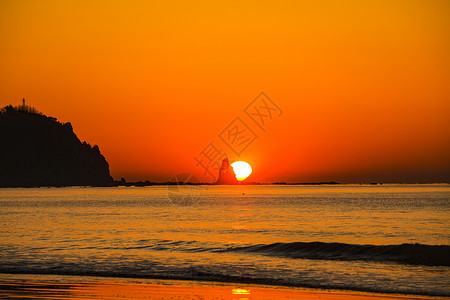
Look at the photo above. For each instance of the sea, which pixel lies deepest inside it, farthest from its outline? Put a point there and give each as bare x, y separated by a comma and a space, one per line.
369, 238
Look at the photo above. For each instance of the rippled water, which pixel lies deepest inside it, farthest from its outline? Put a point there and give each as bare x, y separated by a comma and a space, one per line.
369, 238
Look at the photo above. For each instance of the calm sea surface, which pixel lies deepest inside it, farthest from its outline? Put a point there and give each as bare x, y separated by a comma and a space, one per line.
390, 238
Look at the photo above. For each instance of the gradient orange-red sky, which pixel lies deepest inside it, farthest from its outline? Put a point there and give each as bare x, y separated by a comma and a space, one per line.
364, 85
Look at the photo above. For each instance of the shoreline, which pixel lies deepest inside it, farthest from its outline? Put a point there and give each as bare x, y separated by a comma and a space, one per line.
177, 184
28, 286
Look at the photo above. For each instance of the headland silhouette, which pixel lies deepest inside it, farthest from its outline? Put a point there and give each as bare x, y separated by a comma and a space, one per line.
37, 150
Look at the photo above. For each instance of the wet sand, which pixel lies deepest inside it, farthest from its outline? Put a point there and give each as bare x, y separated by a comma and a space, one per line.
74, 287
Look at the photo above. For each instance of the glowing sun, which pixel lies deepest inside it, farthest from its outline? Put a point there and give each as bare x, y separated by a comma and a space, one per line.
241, 169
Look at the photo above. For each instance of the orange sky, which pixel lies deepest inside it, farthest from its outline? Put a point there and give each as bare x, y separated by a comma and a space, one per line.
364, 86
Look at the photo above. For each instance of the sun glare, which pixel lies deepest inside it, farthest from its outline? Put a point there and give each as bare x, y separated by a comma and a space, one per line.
241, 169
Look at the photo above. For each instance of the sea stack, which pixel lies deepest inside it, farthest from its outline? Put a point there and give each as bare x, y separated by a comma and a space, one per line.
226, 173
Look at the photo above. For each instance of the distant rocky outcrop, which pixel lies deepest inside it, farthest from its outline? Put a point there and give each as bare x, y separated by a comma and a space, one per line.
36, 150
226, 173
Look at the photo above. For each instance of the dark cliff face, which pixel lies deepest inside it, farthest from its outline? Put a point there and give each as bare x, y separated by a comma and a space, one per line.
36, 150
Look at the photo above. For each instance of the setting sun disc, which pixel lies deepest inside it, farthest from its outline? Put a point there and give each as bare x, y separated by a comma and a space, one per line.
241, 169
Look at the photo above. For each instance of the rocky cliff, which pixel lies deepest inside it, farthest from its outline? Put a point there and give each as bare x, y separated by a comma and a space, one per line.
36, 150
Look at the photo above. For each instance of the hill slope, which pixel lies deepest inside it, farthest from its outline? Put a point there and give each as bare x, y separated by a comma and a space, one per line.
36, 150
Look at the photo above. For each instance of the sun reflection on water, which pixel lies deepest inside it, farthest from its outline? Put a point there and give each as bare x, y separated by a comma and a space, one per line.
240, 291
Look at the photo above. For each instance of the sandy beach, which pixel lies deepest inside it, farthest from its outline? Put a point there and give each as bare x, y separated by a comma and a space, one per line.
77, 287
